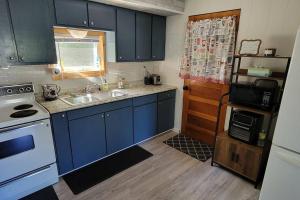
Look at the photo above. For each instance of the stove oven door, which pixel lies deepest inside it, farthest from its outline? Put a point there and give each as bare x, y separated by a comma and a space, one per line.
25, 148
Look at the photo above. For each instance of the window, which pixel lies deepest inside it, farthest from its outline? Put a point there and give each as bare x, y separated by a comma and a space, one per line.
79, 53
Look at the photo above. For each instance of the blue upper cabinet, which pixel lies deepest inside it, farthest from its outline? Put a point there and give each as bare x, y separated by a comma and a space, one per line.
102, 16
32, 29
143, 36
119, 129
165, 111
8, 52
125, 35
71, 13
158, 37
87, 139
60, 130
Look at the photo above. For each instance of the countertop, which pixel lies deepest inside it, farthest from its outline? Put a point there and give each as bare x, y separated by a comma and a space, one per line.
58, 105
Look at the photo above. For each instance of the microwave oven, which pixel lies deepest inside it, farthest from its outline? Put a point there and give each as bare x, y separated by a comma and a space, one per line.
261, 95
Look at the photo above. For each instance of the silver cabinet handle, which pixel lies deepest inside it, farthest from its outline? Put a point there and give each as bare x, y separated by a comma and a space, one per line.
21, 58
92, 23
102, 115
63, 115
107, 115
84, 22
11, 58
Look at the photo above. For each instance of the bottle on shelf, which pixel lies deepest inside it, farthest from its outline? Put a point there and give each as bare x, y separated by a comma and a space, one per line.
261, 138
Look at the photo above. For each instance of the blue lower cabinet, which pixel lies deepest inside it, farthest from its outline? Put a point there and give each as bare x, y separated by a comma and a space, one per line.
145, 121
119, 129
60, 129
87, 139
165, 115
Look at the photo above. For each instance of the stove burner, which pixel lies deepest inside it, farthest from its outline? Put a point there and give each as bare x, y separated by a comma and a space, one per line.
23, 113
23, 107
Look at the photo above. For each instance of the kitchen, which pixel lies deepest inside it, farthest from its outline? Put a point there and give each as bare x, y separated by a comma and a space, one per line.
100, 80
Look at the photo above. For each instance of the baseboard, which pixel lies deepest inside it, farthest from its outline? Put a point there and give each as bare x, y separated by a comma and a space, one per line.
177, 130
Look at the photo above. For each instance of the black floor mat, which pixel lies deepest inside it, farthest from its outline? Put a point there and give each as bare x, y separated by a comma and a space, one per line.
47, 193
95, 173
187, 145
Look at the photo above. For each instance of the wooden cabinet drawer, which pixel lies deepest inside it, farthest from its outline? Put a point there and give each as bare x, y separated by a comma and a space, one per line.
167, 95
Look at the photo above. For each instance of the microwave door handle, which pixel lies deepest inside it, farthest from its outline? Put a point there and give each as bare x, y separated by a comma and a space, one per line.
13, 128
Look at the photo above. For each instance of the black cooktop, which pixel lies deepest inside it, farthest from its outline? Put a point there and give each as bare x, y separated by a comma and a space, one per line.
23, 106
23, 113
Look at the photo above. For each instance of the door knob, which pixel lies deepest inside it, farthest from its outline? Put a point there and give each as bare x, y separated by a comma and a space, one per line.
185, 87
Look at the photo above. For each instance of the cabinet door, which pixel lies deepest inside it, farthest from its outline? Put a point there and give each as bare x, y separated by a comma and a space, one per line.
248, 162
60, 130
71, 13
32, 25
102, 16
87, 139
125, 35
8, 53
143, 36
119, 129
225, 152
158, 37
165, 115
145, 121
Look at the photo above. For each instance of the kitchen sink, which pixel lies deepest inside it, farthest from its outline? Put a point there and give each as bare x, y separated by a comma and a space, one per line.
77, 99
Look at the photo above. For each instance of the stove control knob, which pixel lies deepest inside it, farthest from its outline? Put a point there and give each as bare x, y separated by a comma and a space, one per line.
28, 89
9, 91
21, 90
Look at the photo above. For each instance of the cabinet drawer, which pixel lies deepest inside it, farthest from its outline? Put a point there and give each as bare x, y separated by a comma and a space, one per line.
84, 112
144, 100
167, 95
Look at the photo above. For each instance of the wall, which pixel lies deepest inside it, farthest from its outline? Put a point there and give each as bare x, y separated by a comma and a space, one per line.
40, 74
160, 7
273, 21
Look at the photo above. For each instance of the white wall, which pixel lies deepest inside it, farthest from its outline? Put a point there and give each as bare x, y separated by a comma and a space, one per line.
273, 21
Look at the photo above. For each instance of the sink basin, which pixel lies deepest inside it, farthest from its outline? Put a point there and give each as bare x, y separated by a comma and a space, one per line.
79, 99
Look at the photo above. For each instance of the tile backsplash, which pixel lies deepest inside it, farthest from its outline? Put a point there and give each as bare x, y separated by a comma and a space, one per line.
40, 74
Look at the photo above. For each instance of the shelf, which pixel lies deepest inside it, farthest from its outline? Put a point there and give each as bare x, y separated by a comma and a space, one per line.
250, 109
274, 75
262, 56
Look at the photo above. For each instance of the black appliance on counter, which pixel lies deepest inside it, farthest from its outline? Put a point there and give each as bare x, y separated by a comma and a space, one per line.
262, 94
245, 126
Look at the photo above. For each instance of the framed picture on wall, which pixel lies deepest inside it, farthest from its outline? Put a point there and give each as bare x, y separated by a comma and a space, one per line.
250, 47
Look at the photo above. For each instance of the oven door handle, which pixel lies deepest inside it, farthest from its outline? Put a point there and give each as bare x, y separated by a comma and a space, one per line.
21, 126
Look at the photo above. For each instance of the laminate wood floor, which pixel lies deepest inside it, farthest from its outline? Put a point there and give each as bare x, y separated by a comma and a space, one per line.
168, 174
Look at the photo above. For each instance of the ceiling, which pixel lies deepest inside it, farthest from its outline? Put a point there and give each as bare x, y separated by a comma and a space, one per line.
160, 7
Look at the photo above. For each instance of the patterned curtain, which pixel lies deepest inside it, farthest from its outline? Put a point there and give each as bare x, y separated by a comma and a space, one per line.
209, 50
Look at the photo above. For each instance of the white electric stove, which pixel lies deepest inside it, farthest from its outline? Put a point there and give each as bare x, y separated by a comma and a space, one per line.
27, 156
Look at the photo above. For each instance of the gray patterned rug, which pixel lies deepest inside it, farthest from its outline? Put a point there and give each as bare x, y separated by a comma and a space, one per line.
191, 147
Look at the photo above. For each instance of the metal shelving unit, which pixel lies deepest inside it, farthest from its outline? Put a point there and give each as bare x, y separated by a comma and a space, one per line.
234, 77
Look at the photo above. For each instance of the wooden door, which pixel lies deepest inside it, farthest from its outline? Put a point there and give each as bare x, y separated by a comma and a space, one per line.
102, 16
87, 136
143, 36
200, 107
71, 13
8, 53
119, 129
158, 37
32, 25
125, 35
248, 161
